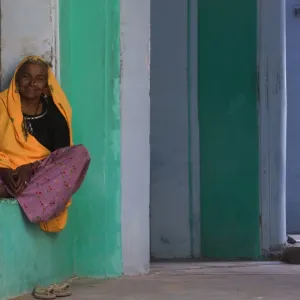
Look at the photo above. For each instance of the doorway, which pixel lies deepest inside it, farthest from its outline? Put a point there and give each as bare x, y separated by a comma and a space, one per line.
230, 208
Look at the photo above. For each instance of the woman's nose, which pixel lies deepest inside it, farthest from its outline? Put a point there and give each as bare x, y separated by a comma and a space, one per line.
33, 82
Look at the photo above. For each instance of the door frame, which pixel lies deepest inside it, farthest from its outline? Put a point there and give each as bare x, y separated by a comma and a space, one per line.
54, 13
194, 140
272, 107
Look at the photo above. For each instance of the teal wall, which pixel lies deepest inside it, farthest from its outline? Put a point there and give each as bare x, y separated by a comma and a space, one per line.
28, 256
228, 129
90, 55
91, 243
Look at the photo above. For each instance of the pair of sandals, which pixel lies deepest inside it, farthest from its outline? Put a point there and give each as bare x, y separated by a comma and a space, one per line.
52, 292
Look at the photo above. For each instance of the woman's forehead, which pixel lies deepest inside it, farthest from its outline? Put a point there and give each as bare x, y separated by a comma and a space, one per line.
32, 67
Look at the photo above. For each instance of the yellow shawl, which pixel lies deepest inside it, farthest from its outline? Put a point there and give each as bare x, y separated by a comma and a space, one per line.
15, 150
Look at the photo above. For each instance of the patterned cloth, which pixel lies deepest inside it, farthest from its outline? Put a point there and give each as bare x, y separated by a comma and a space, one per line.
55, 180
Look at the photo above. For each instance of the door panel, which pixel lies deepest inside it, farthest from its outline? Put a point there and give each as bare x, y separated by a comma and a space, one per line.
293, 117
170, 220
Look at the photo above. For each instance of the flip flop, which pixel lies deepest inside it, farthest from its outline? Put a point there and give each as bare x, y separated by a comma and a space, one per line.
43, 293
61, 290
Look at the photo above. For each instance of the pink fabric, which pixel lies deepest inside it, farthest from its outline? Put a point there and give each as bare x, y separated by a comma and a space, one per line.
55, 180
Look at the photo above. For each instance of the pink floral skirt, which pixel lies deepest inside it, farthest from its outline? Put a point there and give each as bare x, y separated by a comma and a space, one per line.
55, 180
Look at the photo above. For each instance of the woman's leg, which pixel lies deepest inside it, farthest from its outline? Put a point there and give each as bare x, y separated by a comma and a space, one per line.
50, 189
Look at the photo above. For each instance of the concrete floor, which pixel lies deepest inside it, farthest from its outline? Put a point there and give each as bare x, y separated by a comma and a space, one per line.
194, 281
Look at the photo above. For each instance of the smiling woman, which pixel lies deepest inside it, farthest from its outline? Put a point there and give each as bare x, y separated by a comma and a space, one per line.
39, 166
40, 113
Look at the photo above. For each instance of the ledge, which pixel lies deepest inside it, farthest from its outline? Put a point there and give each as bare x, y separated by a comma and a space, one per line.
8, 201
29, 256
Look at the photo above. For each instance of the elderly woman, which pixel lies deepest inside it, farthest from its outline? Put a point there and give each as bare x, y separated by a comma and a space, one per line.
39, 166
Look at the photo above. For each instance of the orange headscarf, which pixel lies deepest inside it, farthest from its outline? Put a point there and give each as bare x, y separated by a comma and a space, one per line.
15, 149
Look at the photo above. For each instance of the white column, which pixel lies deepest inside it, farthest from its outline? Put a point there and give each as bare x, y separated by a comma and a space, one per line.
135, 134
273, 117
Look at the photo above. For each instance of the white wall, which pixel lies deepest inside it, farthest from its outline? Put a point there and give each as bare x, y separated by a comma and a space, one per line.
135, 124
272, 118
27, 28
293, 119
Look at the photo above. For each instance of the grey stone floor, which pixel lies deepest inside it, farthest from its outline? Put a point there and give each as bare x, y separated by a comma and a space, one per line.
195, 281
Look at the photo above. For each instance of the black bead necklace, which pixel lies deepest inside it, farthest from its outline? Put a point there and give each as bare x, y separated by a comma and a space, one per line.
28, 121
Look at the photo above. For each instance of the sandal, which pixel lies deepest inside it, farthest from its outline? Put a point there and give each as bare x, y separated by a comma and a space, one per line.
61, 290
43, 293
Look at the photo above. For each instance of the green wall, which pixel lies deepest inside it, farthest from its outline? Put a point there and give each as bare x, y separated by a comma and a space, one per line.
228, 129
29, 256
90, 55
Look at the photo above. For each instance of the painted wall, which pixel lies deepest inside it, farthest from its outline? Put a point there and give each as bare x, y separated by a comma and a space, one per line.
170, 195
293, 128
272, 122
28, 256
135, 124
229, 163
90, 71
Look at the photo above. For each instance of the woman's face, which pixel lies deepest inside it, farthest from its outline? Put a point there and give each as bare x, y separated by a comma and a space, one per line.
32, 81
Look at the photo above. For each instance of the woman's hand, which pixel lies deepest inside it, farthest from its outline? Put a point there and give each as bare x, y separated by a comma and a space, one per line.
22, 176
